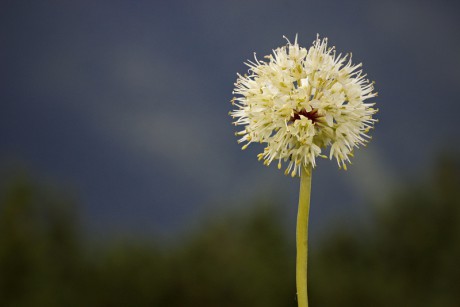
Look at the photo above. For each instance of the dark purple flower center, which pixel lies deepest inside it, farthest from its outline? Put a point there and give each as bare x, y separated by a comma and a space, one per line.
312, 115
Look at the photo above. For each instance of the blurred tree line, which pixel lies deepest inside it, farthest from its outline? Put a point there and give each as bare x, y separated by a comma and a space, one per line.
408, 257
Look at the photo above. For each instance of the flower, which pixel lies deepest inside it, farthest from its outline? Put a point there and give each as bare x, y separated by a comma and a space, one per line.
300, 102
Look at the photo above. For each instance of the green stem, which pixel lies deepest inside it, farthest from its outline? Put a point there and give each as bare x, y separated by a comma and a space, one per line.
302, 236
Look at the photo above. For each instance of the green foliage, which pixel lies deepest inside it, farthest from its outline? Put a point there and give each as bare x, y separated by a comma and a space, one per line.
409, 257
39, 252
236, 261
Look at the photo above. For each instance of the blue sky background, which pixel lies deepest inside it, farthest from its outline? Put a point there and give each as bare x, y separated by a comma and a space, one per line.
126, 102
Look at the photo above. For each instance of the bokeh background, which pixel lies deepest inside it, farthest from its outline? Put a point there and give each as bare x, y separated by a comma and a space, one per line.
122, 183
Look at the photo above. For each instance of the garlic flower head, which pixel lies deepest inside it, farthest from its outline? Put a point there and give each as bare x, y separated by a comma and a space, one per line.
300, 101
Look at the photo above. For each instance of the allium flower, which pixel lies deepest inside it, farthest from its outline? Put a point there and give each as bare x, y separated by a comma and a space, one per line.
300, 102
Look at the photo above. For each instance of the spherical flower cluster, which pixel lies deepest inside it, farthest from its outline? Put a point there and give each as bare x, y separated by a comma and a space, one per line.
300, 102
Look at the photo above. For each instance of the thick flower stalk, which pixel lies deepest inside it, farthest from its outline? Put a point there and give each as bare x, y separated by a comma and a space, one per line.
300, 103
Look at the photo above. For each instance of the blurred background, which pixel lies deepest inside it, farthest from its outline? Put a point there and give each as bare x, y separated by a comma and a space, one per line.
121, 182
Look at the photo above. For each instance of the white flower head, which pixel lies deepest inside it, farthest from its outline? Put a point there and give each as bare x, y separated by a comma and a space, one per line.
301, 101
